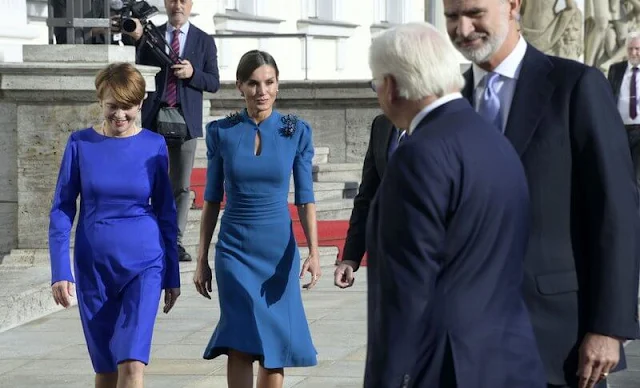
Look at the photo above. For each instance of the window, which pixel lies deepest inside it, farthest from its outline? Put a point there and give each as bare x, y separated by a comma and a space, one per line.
320, 9
389, 11
380, 11
244, 6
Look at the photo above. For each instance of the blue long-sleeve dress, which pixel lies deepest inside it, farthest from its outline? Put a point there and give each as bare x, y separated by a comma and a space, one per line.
125, 249
257, 262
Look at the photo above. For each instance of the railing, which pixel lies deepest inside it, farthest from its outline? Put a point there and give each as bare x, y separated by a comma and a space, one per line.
78, 21
303, 37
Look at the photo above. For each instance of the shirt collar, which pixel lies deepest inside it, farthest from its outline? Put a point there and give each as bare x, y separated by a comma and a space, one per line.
630, 66
429, 108
508, 68
184, 29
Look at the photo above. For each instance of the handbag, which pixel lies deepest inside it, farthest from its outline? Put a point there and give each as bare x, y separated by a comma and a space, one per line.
170, 124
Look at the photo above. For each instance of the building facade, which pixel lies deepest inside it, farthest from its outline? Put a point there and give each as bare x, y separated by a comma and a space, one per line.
310, 39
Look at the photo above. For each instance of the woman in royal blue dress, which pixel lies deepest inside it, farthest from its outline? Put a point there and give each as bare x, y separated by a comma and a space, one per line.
251, 157
125, 249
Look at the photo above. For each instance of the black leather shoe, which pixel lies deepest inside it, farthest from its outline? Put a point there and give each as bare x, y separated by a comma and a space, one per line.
182, 254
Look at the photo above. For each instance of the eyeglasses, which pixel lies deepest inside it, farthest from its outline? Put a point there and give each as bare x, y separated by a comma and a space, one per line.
373, 85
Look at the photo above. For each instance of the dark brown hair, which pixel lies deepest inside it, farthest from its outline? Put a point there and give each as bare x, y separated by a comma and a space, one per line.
123, 81
252, 60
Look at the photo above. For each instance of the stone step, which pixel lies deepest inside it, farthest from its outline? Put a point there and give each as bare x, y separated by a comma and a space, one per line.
25, 292
329, 190
321, 155
25, 295
337, 172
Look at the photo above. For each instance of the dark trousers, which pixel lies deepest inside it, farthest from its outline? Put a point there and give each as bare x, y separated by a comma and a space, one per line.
181, 158
633, 132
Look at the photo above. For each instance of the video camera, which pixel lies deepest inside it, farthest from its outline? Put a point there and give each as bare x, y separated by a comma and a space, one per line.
128, 10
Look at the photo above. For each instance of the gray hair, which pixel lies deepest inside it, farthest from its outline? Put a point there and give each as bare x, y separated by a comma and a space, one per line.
631, 36
421, 59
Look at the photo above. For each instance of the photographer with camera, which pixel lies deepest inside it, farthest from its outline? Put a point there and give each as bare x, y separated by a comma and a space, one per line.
189, 66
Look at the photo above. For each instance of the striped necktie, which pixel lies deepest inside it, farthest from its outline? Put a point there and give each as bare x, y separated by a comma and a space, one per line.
172, 80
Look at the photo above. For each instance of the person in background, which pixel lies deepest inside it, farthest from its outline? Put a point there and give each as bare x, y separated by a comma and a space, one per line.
625, 84
383, 141
179, 89
125, 249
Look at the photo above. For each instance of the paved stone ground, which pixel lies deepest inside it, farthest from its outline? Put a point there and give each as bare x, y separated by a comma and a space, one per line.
50, 352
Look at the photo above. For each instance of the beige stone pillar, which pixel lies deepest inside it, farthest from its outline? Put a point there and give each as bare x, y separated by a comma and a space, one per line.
42, 101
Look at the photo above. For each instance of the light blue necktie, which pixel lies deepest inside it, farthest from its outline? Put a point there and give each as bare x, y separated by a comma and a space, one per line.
489, 106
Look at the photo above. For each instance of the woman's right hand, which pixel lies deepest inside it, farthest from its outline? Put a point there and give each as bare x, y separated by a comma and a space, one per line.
62, 292
202, 278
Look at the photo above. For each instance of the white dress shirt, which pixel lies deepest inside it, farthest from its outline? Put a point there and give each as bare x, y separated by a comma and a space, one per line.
429, 108
509, 71
184, 30
625, 96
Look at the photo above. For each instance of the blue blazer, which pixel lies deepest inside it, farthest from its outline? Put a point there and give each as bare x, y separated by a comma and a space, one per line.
200, 50
446, 238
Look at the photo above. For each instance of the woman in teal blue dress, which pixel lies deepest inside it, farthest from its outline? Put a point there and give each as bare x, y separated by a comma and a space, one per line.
251, 156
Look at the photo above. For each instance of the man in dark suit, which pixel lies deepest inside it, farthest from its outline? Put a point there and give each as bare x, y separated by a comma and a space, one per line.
624, 78
581, 265
447, 233
383, 141
182, 86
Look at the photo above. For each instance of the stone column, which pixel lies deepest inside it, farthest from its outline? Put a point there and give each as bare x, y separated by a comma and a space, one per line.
14, 30
42, 101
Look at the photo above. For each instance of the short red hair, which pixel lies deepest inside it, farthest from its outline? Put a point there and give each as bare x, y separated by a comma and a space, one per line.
123, 81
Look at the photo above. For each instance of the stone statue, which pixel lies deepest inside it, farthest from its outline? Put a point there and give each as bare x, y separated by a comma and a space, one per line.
614, 49
555, 33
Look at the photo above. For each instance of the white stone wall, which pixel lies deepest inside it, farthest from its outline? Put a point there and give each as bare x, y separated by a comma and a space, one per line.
333, 50
14, 30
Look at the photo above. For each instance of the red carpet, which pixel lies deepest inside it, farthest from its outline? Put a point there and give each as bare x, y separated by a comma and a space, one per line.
331, 233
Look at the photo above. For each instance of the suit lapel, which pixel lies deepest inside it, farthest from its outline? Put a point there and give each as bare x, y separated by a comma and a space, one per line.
532, 93
189, 43
385, 142
467, 91
618, 76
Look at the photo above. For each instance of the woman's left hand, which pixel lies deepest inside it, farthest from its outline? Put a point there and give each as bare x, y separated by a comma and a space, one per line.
170, 297
312, 265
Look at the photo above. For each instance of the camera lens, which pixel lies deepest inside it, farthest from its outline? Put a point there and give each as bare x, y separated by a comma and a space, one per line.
128, 25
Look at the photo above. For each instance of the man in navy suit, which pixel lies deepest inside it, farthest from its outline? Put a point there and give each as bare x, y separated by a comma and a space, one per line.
581, 265
446, 234
182, 86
